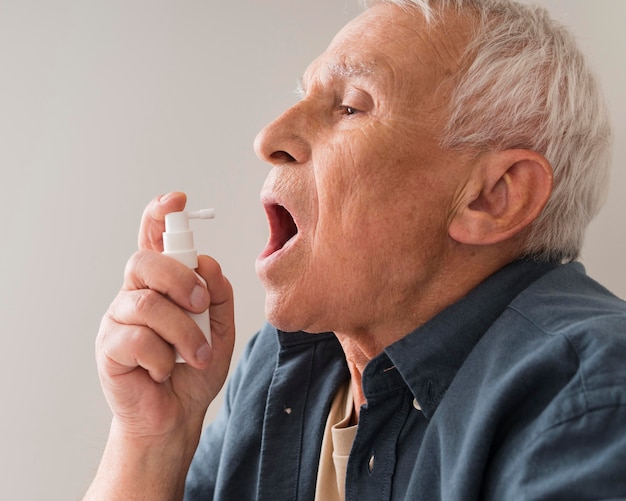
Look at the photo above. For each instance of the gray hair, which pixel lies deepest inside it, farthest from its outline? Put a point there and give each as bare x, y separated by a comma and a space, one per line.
525, 84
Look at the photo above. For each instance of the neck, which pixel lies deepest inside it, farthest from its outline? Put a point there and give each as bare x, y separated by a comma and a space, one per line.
363, 344
357, 360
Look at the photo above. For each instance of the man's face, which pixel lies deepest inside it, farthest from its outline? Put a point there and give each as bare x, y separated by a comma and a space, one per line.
360, 195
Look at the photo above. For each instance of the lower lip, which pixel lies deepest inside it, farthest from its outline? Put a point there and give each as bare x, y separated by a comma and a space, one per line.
267, 257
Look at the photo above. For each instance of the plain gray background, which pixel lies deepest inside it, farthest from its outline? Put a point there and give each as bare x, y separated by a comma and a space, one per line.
105, 104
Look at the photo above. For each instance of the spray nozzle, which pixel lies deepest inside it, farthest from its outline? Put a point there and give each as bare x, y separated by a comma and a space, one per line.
179, 221
178, 238
202, 214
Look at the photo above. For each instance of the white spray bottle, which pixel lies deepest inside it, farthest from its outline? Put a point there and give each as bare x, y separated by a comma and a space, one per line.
178, 243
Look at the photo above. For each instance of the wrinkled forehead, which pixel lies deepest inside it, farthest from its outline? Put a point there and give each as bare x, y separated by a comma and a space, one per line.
389, 39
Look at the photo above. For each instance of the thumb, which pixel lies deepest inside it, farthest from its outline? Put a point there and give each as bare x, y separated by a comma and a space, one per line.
153, 219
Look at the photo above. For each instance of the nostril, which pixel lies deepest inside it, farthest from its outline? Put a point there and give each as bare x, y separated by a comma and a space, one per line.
282, 157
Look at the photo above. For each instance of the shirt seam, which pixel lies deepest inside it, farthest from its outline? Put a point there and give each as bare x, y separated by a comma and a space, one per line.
297, 484
571, 419
580, 371
587, 408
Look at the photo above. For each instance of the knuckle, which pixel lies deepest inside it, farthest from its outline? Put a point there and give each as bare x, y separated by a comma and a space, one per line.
107, 324
136, 266
136, 339
145, 302
116, 312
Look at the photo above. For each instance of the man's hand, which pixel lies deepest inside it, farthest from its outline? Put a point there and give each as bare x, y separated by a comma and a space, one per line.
158, 405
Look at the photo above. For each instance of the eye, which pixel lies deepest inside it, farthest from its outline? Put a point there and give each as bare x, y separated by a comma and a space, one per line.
349, 110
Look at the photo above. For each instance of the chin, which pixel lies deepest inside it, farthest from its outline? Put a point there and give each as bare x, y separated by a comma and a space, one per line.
275, 314
288, 318
282, 321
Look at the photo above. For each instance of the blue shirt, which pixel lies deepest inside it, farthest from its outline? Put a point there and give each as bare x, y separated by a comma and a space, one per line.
521, 387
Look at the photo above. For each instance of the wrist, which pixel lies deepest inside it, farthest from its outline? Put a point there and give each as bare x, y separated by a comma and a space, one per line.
144, 467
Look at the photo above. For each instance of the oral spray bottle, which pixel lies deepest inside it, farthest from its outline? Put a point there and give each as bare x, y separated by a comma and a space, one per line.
178, 243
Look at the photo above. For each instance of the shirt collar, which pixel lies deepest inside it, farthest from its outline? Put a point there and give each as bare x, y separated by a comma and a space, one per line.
427, 359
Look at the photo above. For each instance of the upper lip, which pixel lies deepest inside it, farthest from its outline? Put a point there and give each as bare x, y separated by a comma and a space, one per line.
282, 223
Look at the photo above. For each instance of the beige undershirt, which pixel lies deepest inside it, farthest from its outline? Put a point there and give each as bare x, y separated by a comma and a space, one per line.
336, 446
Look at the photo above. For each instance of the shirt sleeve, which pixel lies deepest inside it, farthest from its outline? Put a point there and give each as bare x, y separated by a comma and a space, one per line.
582, 458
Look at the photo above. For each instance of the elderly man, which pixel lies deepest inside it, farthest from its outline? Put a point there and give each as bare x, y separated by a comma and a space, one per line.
429, 334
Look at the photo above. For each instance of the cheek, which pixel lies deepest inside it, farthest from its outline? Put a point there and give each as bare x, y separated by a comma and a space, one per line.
367, 197
341, 196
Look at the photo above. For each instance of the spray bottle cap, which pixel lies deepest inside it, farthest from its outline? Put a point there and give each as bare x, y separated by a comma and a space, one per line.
178, 237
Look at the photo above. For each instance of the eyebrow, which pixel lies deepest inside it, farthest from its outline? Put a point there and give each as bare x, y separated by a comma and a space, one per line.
345, 69
341, 70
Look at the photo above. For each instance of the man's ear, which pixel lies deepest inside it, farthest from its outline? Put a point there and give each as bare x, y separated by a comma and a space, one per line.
506, 192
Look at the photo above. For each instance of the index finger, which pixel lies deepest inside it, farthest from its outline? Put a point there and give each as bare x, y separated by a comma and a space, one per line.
153, 219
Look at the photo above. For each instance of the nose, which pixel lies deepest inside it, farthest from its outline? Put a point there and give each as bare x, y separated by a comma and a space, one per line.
284, 141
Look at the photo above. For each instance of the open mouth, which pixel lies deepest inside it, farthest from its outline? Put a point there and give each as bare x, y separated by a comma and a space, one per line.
282, 228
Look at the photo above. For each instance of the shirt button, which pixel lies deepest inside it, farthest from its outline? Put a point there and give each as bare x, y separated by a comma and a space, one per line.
370, 464
416, 404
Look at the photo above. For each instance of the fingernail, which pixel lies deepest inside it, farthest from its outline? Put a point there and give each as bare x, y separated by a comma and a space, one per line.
164, 198
203, 353
198, 296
